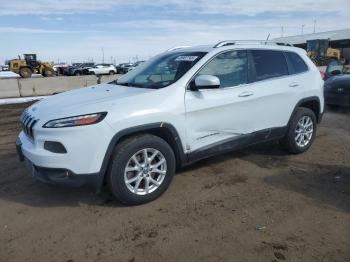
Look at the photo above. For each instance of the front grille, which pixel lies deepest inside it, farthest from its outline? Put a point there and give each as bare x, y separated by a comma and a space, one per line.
28, 122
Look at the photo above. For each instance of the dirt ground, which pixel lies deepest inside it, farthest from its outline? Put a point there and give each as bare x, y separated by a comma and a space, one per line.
258, 204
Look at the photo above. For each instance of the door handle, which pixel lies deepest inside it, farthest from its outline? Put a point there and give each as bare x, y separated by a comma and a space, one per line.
246, 94
294, 84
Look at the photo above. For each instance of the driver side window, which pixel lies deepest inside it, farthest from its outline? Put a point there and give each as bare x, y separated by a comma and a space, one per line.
230, 67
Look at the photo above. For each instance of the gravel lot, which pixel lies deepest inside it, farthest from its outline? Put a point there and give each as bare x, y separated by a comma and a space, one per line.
258, 204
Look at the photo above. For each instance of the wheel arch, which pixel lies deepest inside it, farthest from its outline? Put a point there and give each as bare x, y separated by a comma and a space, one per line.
163, 130
313, 103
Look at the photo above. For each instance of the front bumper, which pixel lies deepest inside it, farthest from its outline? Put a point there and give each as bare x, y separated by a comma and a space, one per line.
56, 176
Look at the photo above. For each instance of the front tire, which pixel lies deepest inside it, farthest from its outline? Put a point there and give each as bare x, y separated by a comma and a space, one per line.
141, 170
301, 131
48, 72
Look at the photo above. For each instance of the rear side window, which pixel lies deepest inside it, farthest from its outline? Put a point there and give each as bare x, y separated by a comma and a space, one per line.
296, 62
269, 64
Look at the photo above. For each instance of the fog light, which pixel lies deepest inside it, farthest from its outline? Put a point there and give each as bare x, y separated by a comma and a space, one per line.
55, 147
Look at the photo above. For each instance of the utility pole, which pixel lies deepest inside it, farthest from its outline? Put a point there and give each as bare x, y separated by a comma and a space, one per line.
302, 29
315, 22
282, 31
103, 55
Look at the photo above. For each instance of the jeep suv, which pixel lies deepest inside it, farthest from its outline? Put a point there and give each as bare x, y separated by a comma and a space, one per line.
181, 106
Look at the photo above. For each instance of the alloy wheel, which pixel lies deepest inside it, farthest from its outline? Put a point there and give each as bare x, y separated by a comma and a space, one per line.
145, 171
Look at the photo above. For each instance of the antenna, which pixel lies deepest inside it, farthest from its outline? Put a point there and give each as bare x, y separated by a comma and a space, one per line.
315, 22
267, 39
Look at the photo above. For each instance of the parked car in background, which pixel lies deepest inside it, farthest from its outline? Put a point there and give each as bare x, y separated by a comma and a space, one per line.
135, 65
103, 69
337, 85
123, 68
4, 68
333, 66
59, 68
81, 69
180, 107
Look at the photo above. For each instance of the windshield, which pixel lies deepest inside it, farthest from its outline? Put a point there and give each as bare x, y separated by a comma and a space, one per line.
161, 71
336, 68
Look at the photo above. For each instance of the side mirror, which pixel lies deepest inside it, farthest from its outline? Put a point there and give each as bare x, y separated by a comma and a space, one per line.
205, 82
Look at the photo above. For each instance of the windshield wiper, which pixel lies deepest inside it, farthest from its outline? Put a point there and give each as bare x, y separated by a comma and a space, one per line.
129, 84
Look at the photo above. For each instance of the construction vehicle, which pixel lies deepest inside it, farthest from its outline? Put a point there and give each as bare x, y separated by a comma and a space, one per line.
30, 65
321, 53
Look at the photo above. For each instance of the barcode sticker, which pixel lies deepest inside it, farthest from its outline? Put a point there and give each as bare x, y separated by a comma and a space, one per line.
186, 58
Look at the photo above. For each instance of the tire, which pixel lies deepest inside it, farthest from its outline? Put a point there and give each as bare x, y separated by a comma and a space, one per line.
111, 72
48, 72
25, 72
296, 134
77, 73
123, 158
91, 73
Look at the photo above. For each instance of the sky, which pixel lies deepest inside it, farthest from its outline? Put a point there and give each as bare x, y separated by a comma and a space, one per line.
129, 30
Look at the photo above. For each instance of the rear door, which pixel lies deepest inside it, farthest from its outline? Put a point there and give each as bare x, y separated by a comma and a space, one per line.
275, 91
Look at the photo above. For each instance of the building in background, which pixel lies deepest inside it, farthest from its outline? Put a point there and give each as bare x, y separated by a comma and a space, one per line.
336, 40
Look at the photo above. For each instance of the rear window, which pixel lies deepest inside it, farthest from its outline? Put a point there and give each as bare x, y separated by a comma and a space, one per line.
296, 62
269, 64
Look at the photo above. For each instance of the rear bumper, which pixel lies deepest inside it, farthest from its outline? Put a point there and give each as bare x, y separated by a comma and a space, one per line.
57, 176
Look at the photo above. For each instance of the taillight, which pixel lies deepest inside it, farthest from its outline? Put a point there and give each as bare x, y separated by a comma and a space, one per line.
323, 75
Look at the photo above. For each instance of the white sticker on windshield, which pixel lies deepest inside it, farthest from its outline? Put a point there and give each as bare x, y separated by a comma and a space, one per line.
186, 58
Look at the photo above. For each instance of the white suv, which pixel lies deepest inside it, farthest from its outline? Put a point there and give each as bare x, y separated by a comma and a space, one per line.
180, 106
103, 69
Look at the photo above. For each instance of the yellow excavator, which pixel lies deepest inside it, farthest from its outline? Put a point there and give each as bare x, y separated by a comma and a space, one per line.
30, 65
321, 53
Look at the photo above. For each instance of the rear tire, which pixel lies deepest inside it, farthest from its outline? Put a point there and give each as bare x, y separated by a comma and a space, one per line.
25, 72
111, 72
134, 180
301, 131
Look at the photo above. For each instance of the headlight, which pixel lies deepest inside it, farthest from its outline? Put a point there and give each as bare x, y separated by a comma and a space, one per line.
76, 120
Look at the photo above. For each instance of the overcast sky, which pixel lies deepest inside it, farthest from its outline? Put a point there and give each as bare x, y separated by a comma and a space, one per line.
77, 30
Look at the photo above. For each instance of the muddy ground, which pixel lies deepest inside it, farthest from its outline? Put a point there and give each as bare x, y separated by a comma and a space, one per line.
258, 204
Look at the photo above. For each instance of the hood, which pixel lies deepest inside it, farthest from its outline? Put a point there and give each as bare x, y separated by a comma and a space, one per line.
84, 100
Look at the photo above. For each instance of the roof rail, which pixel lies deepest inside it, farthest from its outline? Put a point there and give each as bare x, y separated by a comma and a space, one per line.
247, 42
177, 47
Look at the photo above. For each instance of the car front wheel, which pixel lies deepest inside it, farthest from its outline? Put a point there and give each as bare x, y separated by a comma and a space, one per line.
141, 170
301, 131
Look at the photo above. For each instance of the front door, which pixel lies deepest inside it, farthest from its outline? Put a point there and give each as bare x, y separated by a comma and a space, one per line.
215, 115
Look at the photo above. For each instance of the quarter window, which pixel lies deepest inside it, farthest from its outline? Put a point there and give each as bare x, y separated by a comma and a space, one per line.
297, 63
230, 67
269, 64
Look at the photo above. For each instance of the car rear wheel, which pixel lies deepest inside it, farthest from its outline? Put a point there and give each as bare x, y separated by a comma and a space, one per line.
111, 72
141, 170
301, 131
